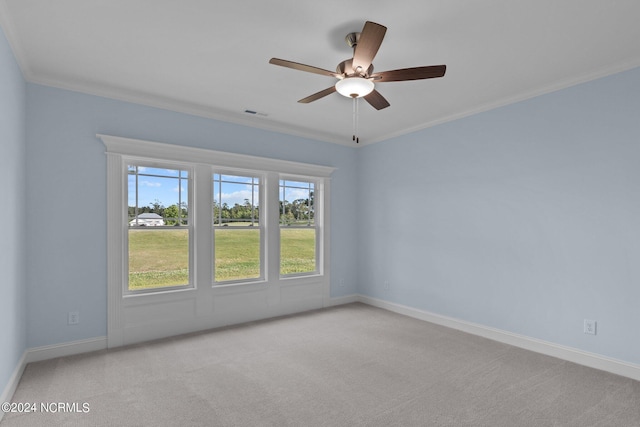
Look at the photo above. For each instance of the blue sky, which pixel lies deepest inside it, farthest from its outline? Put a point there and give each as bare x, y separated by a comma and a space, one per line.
232, 189
158, 184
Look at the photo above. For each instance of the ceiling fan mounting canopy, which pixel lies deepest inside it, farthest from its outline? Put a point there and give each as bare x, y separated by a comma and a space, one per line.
352, 39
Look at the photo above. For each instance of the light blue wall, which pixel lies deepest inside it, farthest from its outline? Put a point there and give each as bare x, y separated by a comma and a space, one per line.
66, 197
524, 218
12, 193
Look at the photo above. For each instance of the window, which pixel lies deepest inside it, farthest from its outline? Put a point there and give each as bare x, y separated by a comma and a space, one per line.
159, 229
237, 228
179, 260
298, 231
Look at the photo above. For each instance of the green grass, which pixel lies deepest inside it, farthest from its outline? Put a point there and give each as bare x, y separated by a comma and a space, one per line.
297, 250
237, 253
159, 257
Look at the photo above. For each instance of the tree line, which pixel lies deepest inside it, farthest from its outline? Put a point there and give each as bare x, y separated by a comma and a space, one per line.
296, 212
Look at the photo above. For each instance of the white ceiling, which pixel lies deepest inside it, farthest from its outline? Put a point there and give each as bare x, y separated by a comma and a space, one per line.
210, 58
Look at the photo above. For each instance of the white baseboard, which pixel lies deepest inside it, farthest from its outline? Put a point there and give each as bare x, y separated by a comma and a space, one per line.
46, 352
569, 354
10, 389
347, 299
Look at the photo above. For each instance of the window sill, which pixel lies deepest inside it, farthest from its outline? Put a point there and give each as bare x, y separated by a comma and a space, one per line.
300, 279
234, 287
156, 296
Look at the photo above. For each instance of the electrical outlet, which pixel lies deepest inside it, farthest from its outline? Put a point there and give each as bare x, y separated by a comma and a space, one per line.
341, 283
590, 326
74, 318
387, 285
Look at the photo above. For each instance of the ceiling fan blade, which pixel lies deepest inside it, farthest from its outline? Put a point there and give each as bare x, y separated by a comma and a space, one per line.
376, 100
368, 45
303, 67
318, 95
415, 73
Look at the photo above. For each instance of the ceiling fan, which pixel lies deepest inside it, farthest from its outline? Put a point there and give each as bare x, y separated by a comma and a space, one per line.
356, 76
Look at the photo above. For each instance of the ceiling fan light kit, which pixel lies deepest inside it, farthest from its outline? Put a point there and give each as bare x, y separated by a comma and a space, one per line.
354, 87
356, 77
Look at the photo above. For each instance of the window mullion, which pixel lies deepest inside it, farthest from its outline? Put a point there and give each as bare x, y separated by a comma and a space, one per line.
201, 204
272, 226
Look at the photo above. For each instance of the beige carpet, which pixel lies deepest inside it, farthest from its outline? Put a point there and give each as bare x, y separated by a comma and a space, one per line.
351, 365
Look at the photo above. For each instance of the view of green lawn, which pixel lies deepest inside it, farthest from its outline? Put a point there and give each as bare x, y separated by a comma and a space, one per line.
159, 257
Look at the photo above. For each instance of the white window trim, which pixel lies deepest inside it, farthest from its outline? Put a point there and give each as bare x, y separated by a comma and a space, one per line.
120, 330
219, 159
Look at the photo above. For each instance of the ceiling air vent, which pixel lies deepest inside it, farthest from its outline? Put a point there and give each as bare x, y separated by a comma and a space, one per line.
255, 113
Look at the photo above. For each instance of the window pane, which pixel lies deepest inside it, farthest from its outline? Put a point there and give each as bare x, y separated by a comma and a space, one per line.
297, 250
157, 197
158, 257
296, 203
236, 227
237, 253
235, 200
297, 227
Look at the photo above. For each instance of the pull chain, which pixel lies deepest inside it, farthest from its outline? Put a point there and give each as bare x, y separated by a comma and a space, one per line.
355, 120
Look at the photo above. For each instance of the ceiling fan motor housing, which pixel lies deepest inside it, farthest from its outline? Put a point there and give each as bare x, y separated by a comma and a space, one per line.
346, 69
